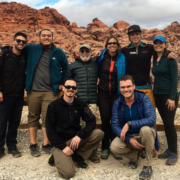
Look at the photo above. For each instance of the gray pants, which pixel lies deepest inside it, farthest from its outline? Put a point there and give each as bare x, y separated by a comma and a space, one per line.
147, 139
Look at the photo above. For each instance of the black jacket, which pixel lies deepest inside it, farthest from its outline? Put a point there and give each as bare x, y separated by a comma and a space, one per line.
12, 73
63, 121
86, 79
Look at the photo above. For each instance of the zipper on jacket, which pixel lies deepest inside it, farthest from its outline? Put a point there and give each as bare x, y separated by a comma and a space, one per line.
87, 73
110, 70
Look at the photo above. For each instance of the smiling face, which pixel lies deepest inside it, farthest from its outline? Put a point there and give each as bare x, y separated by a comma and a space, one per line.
159, 46
127, 89
20, 43
85, 54
68, 89
46, 39
135, 38
112, 46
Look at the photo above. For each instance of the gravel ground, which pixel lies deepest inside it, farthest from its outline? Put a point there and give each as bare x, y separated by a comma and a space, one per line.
30, 168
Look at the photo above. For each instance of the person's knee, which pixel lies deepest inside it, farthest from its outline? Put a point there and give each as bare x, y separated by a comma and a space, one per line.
68, 174
147, 131
99, 133
114, 148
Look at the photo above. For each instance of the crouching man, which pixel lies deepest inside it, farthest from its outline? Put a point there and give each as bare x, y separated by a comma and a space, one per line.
133, 120
69, 142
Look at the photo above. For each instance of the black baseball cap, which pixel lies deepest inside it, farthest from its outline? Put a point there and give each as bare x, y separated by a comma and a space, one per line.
134, 28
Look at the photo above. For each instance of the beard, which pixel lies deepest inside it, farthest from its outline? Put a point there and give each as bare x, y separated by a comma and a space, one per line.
85, 58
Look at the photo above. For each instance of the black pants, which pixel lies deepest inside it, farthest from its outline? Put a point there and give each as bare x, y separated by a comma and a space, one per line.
10, 113
168, 120
106, 101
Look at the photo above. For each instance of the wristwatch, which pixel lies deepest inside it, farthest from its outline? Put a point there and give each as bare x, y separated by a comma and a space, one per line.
129, 124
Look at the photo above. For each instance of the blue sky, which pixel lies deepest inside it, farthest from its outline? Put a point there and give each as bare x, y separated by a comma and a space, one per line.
148, 14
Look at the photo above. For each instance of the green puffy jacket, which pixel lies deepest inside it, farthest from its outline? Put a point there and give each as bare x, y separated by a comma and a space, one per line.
86, 77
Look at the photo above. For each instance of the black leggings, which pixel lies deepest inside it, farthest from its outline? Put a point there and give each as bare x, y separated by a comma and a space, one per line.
106, 102
168, 120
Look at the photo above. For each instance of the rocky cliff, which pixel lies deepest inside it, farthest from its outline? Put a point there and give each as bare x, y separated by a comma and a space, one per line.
18, 17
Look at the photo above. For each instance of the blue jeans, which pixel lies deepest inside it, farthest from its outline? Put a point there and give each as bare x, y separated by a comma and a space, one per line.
10, 115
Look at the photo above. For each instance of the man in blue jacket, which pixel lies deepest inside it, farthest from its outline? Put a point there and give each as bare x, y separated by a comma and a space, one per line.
133, 120
46, 69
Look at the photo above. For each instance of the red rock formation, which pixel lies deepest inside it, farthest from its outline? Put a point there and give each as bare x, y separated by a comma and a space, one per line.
18, 17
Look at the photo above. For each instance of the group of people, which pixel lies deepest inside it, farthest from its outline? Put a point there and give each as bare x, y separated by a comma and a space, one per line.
124, 95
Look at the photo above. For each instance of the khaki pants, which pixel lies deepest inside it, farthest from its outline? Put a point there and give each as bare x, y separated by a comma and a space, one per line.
147, 139
149, 93
93, 108
64, 163
37, 105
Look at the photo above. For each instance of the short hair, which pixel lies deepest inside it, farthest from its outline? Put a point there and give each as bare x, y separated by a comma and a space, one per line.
45, 30
70, 79
20, 34
127, 77
112, 37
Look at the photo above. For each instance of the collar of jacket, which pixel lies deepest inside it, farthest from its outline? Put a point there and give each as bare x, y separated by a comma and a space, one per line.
138, 95
75, 102
53, 47
140, 45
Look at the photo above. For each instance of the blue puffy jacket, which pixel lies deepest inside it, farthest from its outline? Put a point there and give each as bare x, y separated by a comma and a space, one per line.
58, 65
146, 111
121, 65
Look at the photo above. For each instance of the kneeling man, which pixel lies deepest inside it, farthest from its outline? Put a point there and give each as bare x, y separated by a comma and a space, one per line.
133, 120
70, 142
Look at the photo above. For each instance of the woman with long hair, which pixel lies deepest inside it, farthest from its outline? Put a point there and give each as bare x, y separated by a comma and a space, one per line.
112, 66
166, 96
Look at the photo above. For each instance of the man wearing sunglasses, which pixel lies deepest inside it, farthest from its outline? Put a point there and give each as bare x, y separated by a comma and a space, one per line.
85, 72
12, 83
70, 142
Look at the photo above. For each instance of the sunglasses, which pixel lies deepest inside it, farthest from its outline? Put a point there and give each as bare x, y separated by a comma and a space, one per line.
83, 50
69, 87
110, 43
19, 40
158, 42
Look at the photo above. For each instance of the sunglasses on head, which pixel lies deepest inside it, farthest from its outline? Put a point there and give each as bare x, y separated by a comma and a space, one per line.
69, 87
19, 40
110, 43
84, 50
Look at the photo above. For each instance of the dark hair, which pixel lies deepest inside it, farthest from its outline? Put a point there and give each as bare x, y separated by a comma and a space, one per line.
112, 37
20, 34
69, 79
165, 53
127, 77
45, 30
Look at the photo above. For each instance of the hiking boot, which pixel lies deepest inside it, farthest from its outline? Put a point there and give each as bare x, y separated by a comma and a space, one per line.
79, 161
34, 150
46, 148
173, 158
2, 154
94, 157
146, 173
133, 165
15, 153
51, 160
164, 155
104, 153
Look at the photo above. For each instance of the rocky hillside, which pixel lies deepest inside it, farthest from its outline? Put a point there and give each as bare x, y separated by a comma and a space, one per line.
18, 17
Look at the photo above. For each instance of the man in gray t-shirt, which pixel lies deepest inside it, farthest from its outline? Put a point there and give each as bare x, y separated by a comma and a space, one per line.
46, 69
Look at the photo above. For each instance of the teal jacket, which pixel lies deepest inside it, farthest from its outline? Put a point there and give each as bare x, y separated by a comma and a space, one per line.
58, 65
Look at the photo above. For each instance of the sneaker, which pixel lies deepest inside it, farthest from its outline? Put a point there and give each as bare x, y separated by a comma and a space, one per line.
118, 157
46, 148
146, 173
104, 153
2, 154
164, 155
15, 153
173, 158
51, 160
133, 165
94, 157
78, 160
34, 150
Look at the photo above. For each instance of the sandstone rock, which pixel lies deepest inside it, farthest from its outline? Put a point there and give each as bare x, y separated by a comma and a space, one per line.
74, 25
174, 24
121, 24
